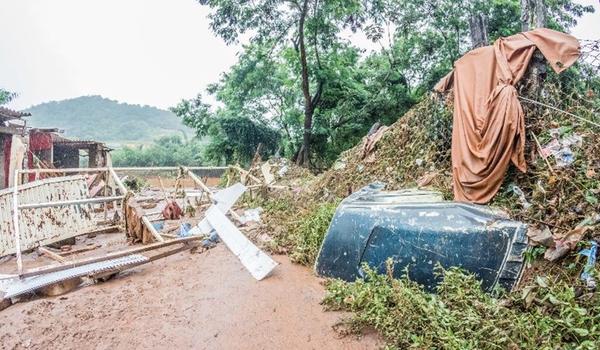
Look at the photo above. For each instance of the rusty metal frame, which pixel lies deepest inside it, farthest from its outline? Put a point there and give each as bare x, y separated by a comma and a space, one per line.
44, 212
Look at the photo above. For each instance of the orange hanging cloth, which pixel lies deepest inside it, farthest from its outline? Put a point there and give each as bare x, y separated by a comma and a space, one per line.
489, 124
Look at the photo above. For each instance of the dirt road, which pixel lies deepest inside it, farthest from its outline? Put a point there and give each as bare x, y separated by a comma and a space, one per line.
200, 301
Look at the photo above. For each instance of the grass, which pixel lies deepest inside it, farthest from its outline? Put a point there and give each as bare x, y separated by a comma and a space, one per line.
298, 227
544, 315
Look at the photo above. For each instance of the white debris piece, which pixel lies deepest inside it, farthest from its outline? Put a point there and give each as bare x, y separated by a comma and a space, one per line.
255, 260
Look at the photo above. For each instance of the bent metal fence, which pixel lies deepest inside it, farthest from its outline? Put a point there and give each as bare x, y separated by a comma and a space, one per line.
41, 225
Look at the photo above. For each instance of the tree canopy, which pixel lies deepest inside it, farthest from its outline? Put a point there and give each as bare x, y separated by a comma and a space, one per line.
6, 96
300, 78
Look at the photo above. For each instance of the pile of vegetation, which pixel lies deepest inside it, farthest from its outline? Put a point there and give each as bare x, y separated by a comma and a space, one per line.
550, 309
549, 314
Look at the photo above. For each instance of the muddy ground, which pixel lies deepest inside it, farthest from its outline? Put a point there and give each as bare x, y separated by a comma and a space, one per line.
189, 300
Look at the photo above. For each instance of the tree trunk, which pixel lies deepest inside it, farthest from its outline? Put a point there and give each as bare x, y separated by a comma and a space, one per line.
304, 154
525, 13
533, 14
540, 14
478, 28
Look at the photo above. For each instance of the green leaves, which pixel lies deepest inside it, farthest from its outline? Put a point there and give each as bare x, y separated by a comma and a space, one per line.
417, 43
545, 315
166, 151
6, 96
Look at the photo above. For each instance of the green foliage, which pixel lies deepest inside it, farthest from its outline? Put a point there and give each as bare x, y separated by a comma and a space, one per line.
166, 151
309, 233
6, 96
297, 226
350, 91
546, 315
98, 118
236, 139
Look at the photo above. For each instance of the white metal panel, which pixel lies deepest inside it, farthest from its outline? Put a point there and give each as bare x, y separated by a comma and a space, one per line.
45, 225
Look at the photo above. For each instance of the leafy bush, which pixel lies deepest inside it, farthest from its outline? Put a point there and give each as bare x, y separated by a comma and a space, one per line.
546, 315
310, 232
298, 227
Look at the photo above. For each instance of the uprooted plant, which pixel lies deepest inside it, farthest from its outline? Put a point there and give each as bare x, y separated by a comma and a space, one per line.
549, 314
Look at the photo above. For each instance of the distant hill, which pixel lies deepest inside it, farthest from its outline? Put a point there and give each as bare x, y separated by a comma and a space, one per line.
102, 119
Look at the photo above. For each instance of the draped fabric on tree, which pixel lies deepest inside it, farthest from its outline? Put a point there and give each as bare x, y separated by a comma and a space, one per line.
489, 126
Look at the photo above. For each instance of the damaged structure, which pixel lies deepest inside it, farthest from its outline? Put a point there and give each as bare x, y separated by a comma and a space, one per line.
53, 209
42, 148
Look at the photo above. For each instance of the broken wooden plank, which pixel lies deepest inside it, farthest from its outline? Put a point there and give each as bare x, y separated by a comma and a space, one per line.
255, 260
247, 173
74, 263
151, 228
117, 180
52, 255
80, 250
16, 222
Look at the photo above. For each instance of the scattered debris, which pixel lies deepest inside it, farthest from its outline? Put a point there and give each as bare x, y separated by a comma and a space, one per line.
172, 211
541, 236
564, 244
251, 215
587, 275
375, 134
560, 149
265, 169
519, 192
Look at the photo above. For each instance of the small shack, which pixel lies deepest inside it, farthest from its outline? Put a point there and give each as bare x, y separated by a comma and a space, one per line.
67, 153
42, 148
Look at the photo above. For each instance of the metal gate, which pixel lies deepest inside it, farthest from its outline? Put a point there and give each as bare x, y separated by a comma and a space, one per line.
41, 226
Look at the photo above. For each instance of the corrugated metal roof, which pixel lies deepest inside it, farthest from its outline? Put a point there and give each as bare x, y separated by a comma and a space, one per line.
9, 114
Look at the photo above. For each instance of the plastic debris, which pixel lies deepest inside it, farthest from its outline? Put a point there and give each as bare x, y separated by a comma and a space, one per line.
184, 230
251, 215
211, 241
560, 149
283, 170
586, 275
339, 165
519, 192
158, 225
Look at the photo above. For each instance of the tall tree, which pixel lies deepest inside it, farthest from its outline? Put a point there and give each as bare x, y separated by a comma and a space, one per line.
297, 75
302, 23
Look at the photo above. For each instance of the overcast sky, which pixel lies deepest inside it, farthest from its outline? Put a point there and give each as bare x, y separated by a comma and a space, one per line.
153, 52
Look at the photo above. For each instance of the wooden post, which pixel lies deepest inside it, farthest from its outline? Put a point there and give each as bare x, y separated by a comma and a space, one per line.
208, 191
16, 221
106, 175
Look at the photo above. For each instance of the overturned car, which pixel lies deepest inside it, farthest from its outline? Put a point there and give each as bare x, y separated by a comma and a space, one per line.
418, 230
